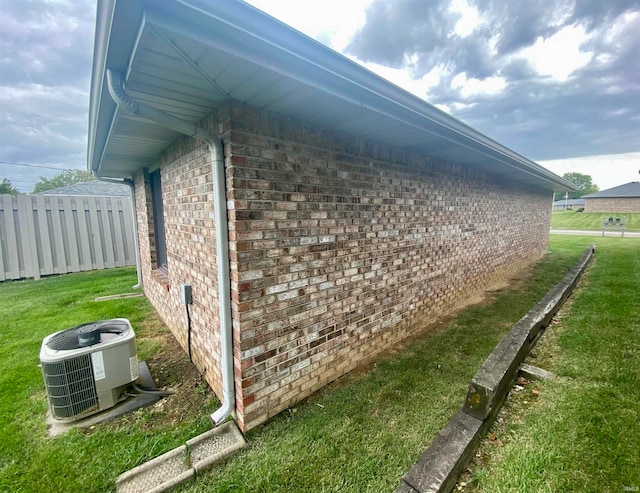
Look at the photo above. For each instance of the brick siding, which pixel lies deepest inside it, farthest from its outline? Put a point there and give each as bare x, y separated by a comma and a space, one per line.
339, 248
613, 205
187, 194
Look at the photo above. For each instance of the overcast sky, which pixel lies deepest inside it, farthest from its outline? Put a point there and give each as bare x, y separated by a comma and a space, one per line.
547, 78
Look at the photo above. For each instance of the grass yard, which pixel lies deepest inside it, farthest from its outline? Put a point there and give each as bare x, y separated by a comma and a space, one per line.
591, 220
582, 431
85, 461
358, 434
364, 432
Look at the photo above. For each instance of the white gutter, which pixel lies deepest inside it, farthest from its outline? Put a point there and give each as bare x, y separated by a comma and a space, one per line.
303, 59
115, 82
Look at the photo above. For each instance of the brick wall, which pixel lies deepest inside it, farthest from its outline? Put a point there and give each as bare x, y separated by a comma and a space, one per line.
339, 247
185, 169
614, 206
342, 247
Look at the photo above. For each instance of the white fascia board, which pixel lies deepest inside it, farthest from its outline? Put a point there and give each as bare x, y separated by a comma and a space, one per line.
243, 31
300, 58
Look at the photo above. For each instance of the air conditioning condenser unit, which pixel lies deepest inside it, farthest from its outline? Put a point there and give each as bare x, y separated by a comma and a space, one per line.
88, 368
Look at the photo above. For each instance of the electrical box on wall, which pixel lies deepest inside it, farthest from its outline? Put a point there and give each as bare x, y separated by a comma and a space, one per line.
185, 294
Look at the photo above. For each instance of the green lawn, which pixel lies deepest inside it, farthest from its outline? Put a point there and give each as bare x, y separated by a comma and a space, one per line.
363, 433
581, 432
77, 461
359, 434
591, 220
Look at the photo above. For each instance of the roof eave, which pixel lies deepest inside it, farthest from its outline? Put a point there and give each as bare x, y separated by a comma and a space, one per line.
300, 57
102, 108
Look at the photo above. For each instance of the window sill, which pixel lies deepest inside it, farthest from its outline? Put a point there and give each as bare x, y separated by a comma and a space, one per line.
161, 276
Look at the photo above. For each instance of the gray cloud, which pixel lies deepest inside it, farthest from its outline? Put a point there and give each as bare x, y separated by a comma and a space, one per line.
472, 56
595, 12
45, 64
45, 42
401, 27
595, 111
46, 49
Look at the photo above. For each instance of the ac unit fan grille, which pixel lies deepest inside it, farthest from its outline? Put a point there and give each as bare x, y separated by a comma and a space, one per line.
70, 386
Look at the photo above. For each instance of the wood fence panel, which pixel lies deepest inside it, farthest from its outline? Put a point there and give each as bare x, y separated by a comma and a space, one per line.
97, 257
48, 234
126, 232
84, 240
43, 243
72, 246
107, 236
27, 234
117, 232
10, 269
58, 234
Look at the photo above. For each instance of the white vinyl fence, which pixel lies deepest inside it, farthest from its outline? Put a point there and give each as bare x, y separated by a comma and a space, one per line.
56, 234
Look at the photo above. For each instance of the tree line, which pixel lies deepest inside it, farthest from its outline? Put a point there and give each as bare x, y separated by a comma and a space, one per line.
583, 182
62, 179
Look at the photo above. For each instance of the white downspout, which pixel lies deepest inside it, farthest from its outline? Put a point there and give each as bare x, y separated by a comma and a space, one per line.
136, 244
132, 197
115, 82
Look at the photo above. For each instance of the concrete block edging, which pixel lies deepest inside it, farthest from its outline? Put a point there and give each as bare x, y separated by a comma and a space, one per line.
439, 467
183, 463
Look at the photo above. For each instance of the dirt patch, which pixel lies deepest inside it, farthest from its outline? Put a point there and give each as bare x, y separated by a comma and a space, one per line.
488, 294
172, 371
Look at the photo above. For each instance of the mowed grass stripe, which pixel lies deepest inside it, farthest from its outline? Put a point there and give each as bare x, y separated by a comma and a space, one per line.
592, 221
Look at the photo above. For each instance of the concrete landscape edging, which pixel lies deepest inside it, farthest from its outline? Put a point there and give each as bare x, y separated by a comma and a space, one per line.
183, 463
439, 467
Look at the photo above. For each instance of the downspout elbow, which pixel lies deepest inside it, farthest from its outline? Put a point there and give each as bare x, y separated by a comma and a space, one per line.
223, 412
115, 83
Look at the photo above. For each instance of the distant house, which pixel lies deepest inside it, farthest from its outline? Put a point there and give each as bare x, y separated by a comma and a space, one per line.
318, 213
623, 198
561, 205
92, 188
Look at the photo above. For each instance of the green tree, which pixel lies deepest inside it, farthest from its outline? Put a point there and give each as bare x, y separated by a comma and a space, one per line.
583, 182
7, 187
65, 177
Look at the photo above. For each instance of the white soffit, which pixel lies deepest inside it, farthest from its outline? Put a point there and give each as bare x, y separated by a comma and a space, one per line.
187, 64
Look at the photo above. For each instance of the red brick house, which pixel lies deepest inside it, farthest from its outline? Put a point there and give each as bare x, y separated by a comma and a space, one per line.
319, 213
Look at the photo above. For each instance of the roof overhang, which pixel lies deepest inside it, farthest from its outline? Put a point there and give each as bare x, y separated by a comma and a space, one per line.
187, 57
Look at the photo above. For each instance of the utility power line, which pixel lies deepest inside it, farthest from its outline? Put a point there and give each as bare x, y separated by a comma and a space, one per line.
34, 165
